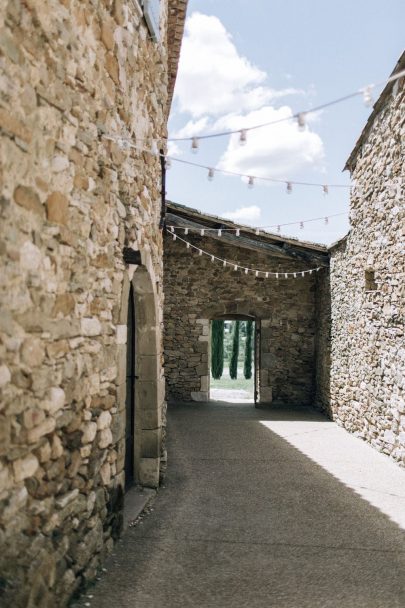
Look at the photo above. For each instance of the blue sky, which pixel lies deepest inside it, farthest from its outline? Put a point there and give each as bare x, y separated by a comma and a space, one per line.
248, 61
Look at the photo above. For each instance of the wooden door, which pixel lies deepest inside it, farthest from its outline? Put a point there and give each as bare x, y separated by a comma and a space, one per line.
130, 395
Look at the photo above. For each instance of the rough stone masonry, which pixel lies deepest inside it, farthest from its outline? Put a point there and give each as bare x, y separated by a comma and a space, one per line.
73, 71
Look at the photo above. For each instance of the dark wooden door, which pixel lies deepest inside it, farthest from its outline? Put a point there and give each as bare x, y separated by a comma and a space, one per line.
257, 361
130, 395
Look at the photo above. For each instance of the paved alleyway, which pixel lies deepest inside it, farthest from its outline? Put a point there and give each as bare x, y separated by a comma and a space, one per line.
264, 508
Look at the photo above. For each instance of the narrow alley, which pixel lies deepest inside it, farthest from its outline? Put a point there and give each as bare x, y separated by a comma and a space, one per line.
263, 507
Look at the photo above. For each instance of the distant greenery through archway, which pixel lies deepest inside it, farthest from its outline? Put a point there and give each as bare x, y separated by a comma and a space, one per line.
232, 357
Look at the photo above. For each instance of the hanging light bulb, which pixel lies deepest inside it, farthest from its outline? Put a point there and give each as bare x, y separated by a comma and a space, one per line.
224, 263
276, 275
301, 225
286, 275
185, 230
295, 275
237, 232
212, 258
194, 144
325, 189
220, 232
200, 252
251, 181
242, 137
211, 173
303, 274
326, 220
235, 267
289, 187
256, 273
171, 228
246, 270
267, 275
257, 231
367, 96
188, 245
278, 228
174, 236
202, 231
311, 271
301, 121
168, 162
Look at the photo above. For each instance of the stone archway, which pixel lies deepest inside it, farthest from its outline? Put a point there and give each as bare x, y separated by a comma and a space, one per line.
149, 385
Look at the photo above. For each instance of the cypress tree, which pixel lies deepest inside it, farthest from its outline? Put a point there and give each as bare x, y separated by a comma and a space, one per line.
217, 348
233, 365
247, 365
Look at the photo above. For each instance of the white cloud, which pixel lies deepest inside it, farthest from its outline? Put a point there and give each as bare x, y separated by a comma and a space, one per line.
244, 214
213, 78
276, 151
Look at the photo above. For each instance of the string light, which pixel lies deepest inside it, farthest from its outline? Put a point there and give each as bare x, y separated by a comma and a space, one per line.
247, 270
301, 120
325, 189
194, 144
367, 95
243, 137
211, 174
301, 225
326, 220
364, 91
202, 231
250, 178
258, 229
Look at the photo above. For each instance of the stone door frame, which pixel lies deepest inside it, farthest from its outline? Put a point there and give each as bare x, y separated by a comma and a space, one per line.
149, 385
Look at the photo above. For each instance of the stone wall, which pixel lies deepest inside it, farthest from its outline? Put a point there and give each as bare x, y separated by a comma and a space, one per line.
197, 290
71, 71
322, 343
368, 289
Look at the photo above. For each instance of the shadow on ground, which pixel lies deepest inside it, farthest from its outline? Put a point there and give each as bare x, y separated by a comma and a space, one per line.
246, 519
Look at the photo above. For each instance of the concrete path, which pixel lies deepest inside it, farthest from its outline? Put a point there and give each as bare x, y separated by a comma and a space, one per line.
263, 508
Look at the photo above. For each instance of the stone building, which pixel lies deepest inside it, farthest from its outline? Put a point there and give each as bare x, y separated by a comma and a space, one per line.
284, 309
78, 76
367, 286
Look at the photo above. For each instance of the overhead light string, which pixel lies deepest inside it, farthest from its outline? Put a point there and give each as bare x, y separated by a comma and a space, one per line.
246, 269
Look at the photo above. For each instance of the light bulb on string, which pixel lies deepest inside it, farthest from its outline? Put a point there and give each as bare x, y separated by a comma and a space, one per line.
289, 187
257, 231
174, 236
256, 273
220, 232
276, 275
212, 258
224, 263
202, 232
210, 174
278, 228
194, 144
235, 267
251, 181
301, 120
171, 228
185, 230
237, 233
267, 275
295, 275
303, 274
188, 245
326, 220
301, 225
286, 275
242, 137
200, 252
367, 96
246, 270
325, 189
